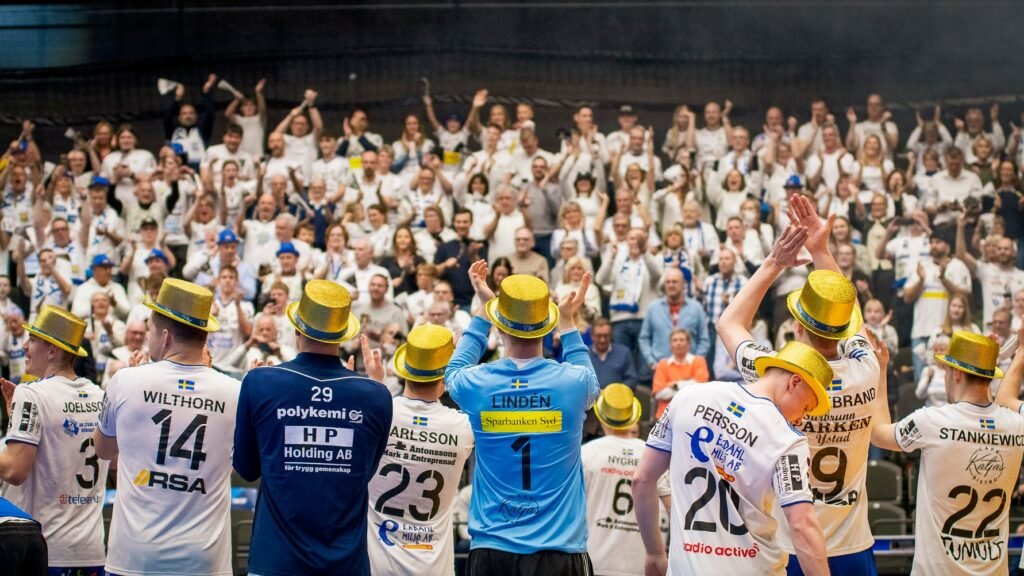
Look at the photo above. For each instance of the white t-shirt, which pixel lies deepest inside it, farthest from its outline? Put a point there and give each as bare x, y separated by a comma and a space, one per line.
609, 465
410, 529
217, 154
64, 492
172, 514
258, 236
253, 134
838, 445
830, 166
14, 349
734, 456
866, 128
931, 306
302, 151
998, 285
334, 173
946, 188
503, 242
280, 166
970, 456
223, 342
140, 162
805, 132
711, 145
907, 251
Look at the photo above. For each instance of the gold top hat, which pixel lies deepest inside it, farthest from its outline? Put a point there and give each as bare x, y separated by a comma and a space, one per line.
617, 407
187, 303
323, 313
523, 308
806, 362
60, 328
425, 354
972, 353
826, 305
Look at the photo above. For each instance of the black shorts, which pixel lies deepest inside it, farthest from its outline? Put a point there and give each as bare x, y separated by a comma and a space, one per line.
22, 549
490, 562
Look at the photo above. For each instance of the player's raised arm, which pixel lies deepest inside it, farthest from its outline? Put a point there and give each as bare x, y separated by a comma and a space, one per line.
1008, 395
474, 341
802, 213
734, 324
882, 428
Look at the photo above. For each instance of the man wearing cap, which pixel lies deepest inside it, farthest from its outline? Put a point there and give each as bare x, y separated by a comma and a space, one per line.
314, 431
928, 289
286, 271
410, 530
618, 141
609, 465
971, 451
50, 462
733, 450
204, 268
102, 281
170, 424
103, 229
828, 319
528, 511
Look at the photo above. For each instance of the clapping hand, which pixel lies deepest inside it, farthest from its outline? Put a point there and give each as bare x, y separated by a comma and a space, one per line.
801, 212
7, 387
138, 357
788, 246
478, 278
571, 304
880, 349
373, 361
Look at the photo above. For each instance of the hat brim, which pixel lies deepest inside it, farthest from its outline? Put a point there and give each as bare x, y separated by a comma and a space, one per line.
948, 361
856, 320
633, 418
763, 363
351, 330
212, 324
398, 363
491, 309
81, 352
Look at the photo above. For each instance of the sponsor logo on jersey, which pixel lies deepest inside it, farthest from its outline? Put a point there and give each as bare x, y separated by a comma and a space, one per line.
835, 385
29, 418
729, 551
987, 423
986, 465
908, 433
187, 385
727, 453
736, 409
789, 475
858, 354
307, 412
79, 500
71, 427
165, 481
415, 537
535, 421
419, 420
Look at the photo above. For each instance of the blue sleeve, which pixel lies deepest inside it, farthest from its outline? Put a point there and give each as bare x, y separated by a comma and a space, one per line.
367, 145
630, 372
575, 352
387, 410
703, 344
343, 148
399, 163
248, 282
207, 116
645, 338
171, 117
468, 353
246, 456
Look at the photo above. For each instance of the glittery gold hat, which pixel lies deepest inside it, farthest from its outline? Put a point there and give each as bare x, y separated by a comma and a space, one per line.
425, 354
523, 308
324, 313
805, 362
60, 328
617, 407
187, 303
826, 305
972, 353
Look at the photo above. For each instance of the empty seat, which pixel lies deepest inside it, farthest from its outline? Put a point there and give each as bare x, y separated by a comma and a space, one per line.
885, 482
887, 519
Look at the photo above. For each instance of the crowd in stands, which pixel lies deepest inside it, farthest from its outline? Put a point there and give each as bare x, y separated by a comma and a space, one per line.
671, 222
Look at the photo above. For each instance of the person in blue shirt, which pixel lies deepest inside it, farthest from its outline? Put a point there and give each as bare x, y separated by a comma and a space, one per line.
22, 545
528, 510
668, 313
612, 361
314, 431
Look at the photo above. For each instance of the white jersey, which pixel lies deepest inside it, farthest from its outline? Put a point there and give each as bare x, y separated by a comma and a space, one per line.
839, 444
734, 456
970, 456
64, 492
410, 515
609, 465
177, 426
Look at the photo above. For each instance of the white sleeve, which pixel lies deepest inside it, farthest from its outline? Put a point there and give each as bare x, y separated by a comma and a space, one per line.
660, 437
790, 476
746, 353
26, 423
111, 404
910, 432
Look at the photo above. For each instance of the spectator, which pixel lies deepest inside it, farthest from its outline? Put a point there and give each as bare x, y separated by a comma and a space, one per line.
525, 260
105, 332
134, 343
570, 282
102, 281
682, 134
668, 314
251, 116
508, 217
573, 228
540, 198
358, 138
262, 347
453, 136
50, 286
680, 368
931, 386
832, 161
188, 127
287, 271
204, 268
230, 150
411, 148
357, 277
972, 127
713, 139
699, 235
879, 123
431, 188
126, 165
332, 169
951, 188
418, 301
142, 251
877, 320
613, 362
454, 257
12, 349
634, 281
105, 228
376, 313
999, 277
434, 234
402, 265
258, 231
